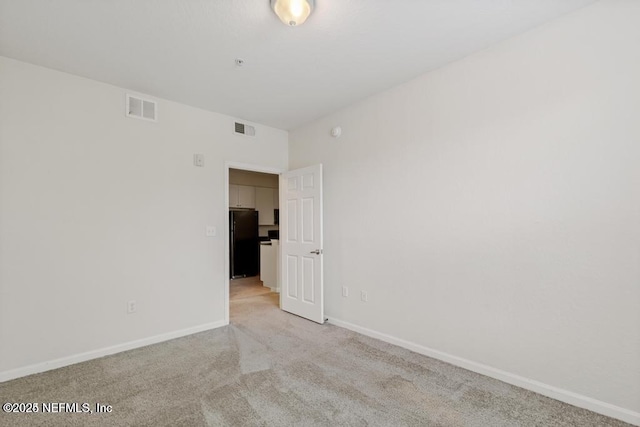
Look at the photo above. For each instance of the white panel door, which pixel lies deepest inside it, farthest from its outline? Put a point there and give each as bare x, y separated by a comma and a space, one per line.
301, 243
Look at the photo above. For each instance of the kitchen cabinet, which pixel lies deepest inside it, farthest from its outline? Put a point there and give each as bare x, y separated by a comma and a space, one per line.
242, 196
265, 204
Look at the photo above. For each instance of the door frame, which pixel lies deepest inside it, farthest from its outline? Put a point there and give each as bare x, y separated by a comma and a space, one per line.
247, 167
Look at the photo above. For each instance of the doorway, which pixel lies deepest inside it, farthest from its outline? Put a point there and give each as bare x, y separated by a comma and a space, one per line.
252, 196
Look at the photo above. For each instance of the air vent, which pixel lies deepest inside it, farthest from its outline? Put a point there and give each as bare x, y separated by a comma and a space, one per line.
139, 108
243, 129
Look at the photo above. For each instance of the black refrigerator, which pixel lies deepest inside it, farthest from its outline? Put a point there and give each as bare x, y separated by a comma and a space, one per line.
245, 247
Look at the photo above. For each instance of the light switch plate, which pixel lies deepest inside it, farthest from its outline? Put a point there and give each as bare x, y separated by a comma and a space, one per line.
198, 160
132, 307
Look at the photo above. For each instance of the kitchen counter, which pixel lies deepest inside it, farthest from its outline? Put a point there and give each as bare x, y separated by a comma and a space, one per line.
270, 264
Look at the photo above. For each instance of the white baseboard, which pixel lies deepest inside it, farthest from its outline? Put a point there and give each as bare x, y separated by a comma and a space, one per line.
94, 354
566, 396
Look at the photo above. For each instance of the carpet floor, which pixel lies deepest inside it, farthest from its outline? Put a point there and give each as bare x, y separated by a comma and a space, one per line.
270, 368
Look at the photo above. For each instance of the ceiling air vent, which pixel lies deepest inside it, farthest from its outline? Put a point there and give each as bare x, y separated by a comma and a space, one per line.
243, 129
139, 108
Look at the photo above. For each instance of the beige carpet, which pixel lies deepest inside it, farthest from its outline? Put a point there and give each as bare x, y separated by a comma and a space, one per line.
269, 368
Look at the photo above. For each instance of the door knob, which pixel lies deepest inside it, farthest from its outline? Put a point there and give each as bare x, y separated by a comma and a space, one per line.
317, 252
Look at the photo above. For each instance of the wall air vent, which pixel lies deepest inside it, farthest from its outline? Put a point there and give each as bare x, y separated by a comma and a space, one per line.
139, 108
243, 129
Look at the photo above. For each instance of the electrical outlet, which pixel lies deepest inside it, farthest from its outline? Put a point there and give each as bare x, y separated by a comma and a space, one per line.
363, 296
345, 291
132, 307
211, 231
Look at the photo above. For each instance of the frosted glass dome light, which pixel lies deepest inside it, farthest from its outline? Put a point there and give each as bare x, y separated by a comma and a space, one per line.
292, 12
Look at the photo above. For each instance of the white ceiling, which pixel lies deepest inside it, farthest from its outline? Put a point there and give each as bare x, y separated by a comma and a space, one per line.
184, 50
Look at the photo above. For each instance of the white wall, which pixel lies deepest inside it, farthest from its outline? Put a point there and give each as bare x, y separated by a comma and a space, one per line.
98, 209
491, 208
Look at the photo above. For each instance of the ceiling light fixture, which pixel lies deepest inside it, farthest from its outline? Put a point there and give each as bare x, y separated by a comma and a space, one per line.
292, 12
